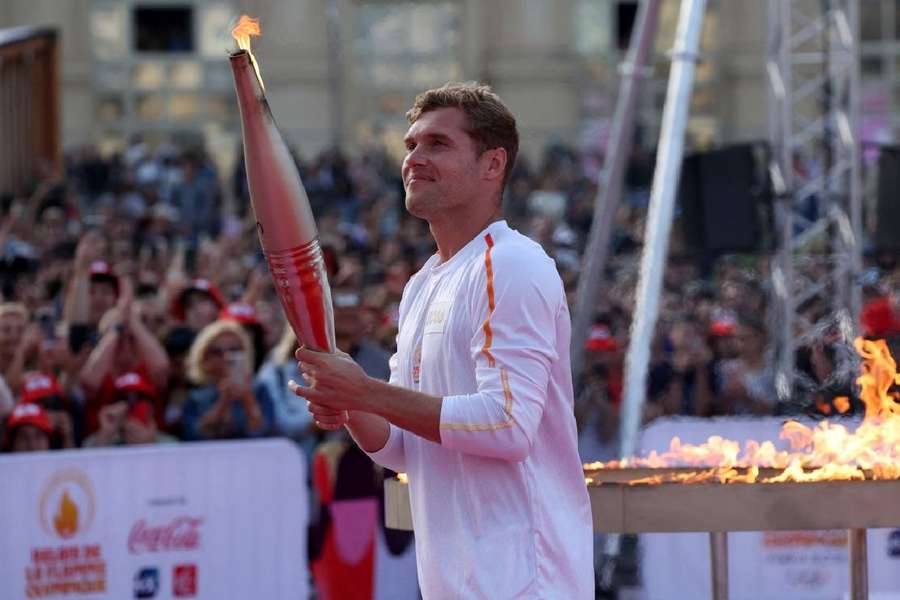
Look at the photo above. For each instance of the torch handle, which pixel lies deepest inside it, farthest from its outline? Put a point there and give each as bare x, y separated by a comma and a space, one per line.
302, 286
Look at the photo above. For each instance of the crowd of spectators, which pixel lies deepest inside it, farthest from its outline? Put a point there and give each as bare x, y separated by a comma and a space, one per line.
136, 307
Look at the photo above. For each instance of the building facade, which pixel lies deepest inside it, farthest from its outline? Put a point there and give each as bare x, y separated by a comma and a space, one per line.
344, 71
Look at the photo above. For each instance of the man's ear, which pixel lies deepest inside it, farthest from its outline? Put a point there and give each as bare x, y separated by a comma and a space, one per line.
494, 163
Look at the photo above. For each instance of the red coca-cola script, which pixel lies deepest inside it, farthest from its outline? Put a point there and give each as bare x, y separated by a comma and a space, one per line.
182, 533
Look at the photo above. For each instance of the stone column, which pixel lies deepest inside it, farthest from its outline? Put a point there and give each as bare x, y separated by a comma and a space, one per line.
742, 87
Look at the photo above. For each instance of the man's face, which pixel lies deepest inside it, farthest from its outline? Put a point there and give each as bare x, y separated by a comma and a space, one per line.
29, 438
12, 326
215, 357
441, 167
53, 229
103, 296
200, 311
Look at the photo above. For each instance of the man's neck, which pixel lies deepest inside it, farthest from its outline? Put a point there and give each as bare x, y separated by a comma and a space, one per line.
452, 233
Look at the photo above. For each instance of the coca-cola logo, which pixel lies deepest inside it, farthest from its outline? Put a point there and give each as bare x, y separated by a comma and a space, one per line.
182, 533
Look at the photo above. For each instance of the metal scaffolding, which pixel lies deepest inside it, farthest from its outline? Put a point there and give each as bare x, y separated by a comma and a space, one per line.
813, 73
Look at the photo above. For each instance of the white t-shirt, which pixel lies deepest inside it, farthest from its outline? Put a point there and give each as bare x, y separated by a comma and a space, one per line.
500, 507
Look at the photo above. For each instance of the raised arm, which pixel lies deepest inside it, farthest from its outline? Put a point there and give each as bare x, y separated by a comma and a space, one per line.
76, 308
150, 351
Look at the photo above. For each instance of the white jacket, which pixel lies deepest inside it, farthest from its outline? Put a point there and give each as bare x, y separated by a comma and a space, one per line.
500, 507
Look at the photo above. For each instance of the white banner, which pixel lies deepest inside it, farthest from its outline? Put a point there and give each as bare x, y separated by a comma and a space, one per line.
204, 520
782, 565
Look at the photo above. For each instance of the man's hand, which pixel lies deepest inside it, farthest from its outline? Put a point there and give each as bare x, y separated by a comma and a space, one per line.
336, 386
325, 418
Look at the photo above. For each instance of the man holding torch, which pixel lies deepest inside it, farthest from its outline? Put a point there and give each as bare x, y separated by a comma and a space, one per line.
479, 407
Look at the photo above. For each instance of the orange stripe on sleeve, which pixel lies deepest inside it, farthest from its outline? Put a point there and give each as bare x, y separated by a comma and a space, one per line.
486, 349
488, 333
507, 408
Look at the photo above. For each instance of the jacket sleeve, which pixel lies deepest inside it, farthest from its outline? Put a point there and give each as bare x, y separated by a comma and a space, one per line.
391, 455
515, 303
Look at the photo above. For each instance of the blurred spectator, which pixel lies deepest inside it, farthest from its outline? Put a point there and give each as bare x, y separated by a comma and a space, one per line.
92, 290
196, 196
62, 414
599, 395
198, 304
226, 403
177, 343
129, 418
290, 416
692, 364
880, 318
125, 345
748, 381
352, 329
28, 430
245, 315
15, 344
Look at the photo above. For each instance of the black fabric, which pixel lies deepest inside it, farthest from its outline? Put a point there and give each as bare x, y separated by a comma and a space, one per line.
724, 197
887, 232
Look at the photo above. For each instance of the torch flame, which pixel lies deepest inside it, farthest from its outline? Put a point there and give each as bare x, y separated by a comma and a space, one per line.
241, 33
827, 451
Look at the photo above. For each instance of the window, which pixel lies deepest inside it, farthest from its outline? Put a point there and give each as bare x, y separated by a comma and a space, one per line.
109, 31
408, 44
160, 71
163, 29
400, 48
626, 15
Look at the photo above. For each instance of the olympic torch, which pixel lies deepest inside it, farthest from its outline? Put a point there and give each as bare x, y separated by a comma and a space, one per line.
284, 220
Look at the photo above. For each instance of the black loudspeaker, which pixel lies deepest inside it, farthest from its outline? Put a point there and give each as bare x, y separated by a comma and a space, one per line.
887, 230
725, 200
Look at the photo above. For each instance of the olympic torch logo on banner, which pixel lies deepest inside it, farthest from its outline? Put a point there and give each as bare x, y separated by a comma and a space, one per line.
67, 504
287, 230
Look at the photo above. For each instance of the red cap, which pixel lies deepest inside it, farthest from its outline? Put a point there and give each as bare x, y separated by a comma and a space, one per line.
878, 318
27, 414
601, 340
723, 326
240, 312
38, 386
197, 285
134, 382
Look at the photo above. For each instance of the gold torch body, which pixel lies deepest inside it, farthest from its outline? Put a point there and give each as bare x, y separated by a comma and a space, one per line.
284, 219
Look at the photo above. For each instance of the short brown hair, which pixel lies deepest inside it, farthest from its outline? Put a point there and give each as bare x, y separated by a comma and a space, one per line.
491, 124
